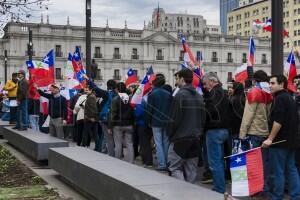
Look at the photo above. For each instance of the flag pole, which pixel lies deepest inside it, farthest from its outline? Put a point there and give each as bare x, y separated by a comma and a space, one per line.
252, 149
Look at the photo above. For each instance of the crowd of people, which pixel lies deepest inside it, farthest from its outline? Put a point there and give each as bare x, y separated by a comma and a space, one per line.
185, 129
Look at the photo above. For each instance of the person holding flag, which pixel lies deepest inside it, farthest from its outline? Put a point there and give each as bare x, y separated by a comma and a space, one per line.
57, 110
283, 126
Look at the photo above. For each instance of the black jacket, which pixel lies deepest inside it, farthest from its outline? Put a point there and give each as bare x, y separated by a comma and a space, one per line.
284, 111
121, 113
23, 90
217, 108
237, 105
57, 105
158, 107
187, 115
33, 106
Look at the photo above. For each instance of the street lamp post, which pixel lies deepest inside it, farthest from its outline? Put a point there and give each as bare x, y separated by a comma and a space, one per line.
88, 37
5, 65
30, 45
277, 37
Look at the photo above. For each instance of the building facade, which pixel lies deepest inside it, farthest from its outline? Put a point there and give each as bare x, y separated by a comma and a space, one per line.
225, 7
183, 23
117, 50
240, 20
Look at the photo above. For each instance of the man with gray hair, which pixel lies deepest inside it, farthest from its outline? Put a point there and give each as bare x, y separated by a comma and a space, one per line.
217, 107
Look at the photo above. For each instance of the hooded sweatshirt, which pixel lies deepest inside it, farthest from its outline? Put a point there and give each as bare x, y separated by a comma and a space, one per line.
256, 112
121, 113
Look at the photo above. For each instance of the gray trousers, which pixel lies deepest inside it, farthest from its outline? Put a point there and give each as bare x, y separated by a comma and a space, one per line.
123, 135
183, 169
56, 127
108, 140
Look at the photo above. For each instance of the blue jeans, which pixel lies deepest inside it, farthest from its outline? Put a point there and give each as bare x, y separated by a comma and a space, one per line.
215, 140
162, 146
5, 116
13, 114
34, 122
22, 114
256, 141
283, 169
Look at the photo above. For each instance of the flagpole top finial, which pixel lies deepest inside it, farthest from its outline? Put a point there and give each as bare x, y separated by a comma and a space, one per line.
106, 23
125, 24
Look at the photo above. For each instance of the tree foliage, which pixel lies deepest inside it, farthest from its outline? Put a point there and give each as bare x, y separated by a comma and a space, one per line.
20, 10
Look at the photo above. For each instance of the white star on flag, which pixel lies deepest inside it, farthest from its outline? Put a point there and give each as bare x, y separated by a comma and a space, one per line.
238, 159
46, 59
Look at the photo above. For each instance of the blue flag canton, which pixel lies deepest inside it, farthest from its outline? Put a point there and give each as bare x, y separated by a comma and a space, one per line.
291, 58
130, 72
145, 80
77, 56
238, 160
79, 75
49, 58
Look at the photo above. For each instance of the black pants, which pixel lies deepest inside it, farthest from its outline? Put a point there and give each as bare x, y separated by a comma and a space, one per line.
90, 131
135, 141
145, 135
79, 131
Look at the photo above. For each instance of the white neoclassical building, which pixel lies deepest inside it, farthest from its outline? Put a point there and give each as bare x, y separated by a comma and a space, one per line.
118, 49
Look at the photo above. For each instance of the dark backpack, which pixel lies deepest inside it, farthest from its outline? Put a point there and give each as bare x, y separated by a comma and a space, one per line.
103, 115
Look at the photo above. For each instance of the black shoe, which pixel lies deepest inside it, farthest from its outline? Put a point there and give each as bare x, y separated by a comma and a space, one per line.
15, 128
206, 178
22, 129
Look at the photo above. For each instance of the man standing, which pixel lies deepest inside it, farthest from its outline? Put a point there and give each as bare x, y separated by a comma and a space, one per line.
283, 125
57, 111
22, 101
91, 119
158, 108
217, 109
186, 125
11, 87
107, 144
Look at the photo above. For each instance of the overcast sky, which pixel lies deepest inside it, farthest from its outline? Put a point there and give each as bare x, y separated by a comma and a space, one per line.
117, 11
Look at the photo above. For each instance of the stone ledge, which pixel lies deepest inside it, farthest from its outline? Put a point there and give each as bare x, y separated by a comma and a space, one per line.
104, 177
34, 144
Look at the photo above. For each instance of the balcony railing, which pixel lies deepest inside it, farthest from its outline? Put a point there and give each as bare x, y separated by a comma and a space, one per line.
159, 58
229, 60
117, 77
134, 57
98, 55
264, 61
117, 56
58, 54
214, 60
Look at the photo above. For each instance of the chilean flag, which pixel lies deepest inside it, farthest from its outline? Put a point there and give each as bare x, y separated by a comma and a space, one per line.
78, 67
42, 72
290, 71
241, 73
144, 87
247, 173
188, 53
131, 77
199, 58
268, 27
251, 52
